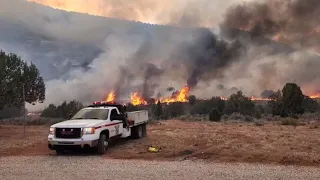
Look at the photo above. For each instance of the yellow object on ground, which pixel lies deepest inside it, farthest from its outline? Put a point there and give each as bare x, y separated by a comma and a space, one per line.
154, 149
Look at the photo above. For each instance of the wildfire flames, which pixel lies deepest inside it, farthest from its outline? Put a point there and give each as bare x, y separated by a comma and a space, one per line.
137, 99
111, 98
178, 96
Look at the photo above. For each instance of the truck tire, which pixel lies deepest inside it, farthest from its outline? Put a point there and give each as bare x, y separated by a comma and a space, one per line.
102, 144
144, 130
59, 151
137, 132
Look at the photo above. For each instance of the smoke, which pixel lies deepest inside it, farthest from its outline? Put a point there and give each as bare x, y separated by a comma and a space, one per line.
289, 21
151, 58
205, 57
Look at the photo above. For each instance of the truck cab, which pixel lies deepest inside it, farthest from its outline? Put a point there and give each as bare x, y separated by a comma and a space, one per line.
94, 126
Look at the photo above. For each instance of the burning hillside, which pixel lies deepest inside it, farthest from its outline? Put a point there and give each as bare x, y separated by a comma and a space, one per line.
177, 96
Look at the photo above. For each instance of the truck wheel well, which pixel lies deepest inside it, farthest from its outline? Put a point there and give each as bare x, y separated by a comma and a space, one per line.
106, 132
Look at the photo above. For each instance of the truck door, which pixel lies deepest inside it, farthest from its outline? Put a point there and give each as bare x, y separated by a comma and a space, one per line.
117, 128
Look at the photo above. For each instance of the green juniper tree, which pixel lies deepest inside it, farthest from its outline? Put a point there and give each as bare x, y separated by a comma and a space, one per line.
16, 75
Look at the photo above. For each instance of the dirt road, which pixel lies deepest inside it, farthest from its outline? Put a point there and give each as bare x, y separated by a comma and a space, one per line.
94, 167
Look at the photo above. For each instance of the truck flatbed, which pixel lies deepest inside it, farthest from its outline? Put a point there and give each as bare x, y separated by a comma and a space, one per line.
136, 118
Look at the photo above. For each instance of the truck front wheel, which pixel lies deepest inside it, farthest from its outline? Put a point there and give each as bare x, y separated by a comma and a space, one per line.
59, 151
102, 144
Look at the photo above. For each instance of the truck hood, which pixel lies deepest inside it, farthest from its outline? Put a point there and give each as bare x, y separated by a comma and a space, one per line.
79, 123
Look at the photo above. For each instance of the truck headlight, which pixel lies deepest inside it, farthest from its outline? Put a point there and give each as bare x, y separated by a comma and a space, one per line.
52, 130
88, 130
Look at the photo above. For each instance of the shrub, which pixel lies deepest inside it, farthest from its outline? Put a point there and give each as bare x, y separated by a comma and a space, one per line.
11, 111
310, 105
192, 100
215, 115
205, 106
248, 118
259, 123
289, 121
260, 108
189, 117
292, 98
236, 116
225, 117
174, 109
157, 110
240, 104
289, 101
257, 114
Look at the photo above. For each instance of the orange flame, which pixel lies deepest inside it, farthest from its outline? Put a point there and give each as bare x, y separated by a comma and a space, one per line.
111, 97
179, 96
137, 99
315, 96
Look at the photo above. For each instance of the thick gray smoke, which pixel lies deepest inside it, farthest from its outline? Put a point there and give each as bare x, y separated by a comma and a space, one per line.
289, 21
135, 57
202, 58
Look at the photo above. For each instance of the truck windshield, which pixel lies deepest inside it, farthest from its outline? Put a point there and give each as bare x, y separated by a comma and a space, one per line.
91, 114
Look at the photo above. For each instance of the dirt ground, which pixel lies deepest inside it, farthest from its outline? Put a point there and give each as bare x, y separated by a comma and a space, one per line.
179, 140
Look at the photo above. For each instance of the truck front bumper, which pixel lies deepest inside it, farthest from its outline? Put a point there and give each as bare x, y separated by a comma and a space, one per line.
54, 143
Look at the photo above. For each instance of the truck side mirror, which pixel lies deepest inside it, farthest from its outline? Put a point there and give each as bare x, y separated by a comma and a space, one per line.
70, 116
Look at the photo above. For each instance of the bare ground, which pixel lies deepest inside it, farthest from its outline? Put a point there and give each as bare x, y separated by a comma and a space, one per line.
94, 167
179, 140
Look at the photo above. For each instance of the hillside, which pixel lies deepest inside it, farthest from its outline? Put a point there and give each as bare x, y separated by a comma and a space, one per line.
56, 53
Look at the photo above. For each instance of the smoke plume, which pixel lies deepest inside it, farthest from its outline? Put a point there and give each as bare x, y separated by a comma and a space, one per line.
289, 21
150, 59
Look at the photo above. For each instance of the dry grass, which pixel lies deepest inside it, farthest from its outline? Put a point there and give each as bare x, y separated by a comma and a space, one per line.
227, 142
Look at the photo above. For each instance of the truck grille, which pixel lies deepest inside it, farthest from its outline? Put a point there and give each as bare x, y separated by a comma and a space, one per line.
68, 133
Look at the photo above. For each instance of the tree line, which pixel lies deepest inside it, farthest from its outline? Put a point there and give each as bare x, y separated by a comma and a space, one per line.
20, 82
288, 102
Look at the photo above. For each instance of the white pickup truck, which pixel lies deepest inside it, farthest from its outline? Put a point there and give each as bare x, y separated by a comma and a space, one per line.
94, 126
